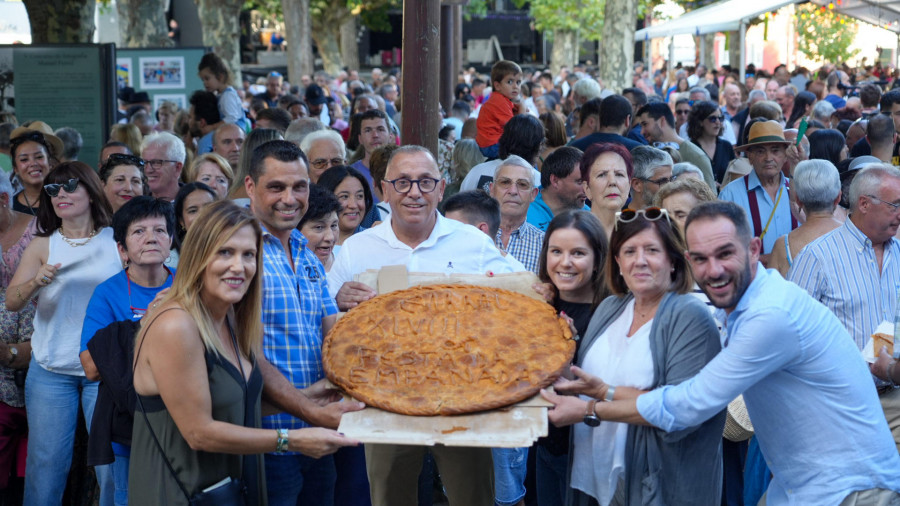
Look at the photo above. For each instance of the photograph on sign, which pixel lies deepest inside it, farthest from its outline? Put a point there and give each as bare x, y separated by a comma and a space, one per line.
123, 72
179, 100
162, 73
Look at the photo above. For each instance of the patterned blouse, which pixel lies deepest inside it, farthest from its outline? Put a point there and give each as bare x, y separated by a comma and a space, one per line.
15, 327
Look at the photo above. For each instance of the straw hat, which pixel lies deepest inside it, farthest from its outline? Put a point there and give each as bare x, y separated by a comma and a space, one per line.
56, 145
764, 132
737, 422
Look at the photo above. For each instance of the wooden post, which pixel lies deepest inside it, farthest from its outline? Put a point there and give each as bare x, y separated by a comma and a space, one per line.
448, 67
420, 117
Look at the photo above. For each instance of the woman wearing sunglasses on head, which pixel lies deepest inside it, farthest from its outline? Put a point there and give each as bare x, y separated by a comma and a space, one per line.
32, 155
73, 252
652, 332
123, 179
706, 122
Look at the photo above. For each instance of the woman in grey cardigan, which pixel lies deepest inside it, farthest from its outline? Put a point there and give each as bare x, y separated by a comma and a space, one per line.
651, 333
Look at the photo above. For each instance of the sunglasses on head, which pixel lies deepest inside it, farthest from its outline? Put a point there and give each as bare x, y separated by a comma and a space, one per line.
124, 159
649, 214
69, 186
31, 136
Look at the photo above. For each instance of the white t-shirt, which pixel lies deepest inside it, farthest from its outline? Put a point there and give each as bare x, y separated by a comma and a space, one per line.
599, 458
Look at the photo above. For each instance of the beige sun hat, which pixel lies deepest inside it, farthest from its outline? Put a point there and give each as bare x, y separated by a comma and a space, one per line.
737, 422
764, 132
55, 143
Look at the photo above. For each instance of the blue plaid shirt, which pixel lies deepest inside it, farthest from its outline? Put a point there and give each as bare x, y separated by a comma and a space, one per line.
524, 245
294, 304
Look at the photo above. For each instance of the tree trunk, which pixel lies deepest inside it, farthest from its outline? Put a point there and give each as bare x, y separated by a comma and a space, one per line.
349, 45
734, 50
329, 48
61, 21
297, 28
709, 47
617, 44
142, 23
220, 20
564, 52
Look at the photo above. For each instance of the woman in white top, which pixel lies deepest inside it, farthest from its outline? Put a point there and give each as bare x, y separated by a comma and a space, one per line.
650, 333
73, 252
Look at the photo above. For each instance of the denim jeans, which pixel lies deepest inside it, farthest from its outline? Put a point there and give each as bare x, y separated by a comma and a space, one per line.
51, 403
119, 472
293, 480
550, 477
510, 466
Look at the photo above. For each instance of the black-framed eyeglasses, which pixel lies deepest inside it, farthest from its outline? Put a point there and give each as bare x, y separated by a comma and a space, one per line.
659, 182
404, 185
682, 111
30, 136
650, 214
895, 207
715, 119
124, 159
322, 163
69, 186
156, 164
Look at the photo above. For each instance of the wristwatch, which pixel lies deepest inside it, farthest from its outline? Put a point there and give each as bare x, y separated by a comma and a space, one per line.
13, 354
590, 417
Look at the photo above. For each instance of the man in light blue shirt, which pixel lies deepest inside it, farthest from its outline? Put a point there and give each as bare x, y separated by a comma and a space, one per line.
855, 269
763, 194
806, 386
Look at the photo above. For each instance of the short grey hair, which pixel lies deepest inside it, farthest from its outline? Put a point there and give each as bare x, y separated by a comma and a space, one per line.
173, 145
817, 184
318, 135
869, 180
685, 167
822, 111
646, 158
300, 128
72, 142
587, 88
756, 95
699, 89
515, 161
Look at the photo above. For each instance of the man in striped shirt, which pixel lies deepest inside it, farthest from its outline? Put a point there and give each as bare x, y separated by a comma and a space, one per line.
855, 269
513, 187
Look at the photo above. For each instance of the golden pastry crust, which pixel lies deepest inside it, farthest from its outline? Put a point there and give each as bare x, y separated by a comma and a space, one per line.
447, 349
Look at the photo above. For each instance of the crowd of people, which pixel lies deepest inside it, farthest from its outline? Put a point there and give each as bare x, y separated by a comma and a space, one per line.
722, 248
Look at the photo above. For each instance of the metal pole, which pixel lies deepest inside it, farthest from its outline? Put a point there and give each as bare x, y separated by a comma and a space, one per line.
448, 69
742, 40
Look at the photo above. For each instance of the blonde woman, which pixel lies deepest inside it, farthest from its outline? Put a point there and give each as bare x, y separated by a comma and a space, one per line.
206, 335
213, 171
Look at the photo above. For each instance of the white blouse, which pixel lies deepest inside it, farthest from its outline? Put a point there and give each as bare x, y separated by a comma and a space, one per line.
620, 360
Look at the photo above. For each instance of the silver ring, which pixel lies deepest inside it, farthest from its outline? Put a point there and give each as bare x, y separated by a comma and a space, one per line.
45, 279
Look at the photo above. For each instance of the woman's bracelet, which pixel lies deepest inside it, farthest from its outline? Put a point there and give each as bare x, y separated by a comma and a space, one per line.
281, 444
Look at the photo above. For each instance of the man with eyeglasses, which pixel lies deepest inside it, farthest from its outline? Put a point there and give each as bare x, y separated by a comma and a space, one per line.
163, 155
418, 237
652, 169
325, 149
514, 189
764, 193
658, 126
855, 270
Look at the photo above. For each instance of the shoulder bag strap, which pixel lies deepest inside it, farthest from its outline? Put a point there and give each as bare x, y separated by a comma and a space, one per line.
147, 420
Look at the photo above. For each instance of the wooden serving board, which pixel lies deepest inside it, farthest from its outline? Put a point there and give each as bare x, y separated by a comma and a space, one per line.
514, 427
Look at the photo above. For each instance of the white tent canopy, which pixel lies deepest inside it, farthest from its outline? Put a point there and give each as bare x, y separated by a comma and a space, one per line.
718, 17
883, 13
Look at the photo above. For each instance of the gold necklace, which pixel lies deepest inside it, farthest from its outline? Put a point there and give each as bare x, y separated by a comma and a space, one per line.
72, 243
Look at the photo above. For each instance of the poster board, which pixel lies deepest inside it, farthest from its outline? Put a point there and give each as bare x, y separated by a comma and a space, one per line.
163, 73
69, 85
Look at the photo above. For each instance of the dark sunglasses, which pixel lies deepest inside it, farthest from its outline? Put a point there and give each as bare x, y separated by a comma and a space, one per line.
53, 188
123, 159
31, 136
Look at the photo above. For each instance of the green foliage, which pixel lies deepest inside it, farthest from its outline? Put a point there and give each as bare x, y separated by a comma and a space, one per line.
475, 9
268, 8
584, 16
825, 35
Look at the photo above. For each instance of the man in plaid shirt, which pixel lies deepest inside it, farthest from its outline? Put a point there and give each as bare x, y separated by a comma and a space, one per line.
297, 312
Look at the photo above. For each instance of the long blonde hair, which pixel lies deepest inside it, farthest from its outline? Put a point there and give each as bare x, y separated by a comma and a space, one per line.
214, 226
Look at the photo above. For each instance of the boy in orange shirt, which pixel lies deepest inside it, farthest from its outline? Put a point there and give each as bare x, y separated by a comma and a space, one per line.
503, 103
